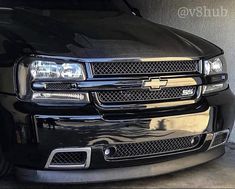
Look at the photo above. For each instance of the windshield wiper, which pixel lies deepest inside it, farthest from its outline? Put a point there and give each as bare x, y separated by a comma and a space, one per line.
134, 10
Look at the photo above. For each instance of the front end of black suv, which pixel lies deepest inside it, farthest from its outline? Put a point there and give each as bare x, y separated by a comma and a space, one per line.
96, 96
105, 119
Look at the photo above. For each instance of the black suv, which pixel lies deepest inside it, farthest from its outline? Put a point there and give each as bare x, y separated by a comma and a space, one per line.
89, 93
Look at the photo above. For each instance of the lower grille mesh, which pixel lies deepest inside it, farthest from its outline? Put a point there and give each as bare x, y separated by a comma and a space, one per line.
132, 96
69, 158
132, 150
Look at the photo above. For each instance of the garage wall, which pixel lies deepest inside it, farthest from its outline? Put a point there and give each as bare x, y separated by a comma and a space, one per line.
213, 20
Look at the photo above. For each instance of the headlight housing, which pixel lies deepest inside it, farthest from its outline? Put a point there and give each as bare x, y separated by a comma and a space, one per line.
215, 65
215, 71
31, 72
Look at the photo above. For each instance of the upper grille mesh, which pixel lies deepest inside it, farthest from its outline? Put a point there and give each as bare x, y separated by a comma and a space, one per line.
144, 68
131, 150
132, 96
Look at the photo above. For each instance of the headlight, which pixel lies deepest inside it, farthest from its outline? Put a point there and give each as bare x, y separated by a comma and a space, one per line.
59, 82
216, 76
51, 70
214, 66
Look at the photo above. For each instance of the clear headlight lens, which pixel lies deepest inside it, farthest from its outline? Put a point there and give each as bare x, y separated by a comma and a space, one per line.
69, 71
215, 69
214, 66
44, 69
217, 66
33, 72
51, 70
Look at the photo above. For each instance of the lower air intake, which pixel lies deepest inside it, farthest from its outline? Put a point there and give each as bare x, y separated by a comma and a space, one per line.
152, 148
220, 138
69, 158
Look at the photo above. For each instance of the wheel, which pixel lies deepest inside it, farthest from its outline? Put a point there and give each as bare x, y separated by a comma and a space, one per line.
5, 166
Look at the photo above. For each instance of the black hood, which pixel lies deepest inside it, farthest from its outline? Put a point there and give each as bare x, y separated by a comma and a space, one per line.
86, 34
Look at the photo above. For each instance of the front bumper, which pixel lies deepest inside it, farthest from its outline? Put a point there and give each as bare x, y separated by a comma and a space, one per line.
116, 174
101, 132
86, 127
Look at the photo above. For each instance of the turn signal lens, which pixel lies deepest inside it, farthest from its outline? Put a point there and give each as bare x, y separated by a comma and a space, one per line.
214, 88
60, 97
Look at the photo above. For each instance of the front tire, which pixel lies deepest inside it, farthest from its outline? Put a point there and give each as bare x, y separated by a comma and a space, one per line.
5, 166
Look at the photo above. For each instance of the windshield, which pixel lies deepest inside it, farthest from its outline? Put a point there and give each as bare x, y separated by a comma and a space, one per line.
63, 4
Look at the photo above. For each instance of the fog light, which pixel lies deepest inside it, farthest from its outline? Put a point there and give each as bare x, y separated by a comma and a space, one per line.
110, 151
195, 140
107, 152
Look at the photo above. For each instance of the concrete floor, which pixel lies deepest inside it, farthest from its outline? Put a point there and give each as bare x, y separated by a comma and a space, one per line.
216, 174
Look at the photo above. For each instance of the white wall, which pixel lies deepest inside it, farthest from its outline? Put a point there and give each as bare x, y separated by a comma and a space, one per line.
217, 29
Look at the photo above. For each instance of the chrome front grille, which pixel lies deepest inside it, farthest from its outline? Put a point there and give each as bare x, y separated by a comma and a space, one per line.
137, 96
100, 69
151, 148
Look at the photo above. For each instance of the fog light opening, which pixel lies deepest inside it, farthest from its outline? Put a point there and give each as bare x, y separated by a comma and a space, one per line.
195, 140
110, 151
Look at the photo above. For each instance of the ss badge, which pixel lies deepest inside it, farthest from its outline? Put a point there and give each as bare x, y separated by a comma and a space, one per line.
188, 92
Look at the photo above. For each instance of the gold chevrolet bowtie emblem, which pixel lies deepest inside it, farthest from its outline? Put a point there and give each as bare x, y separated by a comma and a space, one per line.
155, 83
